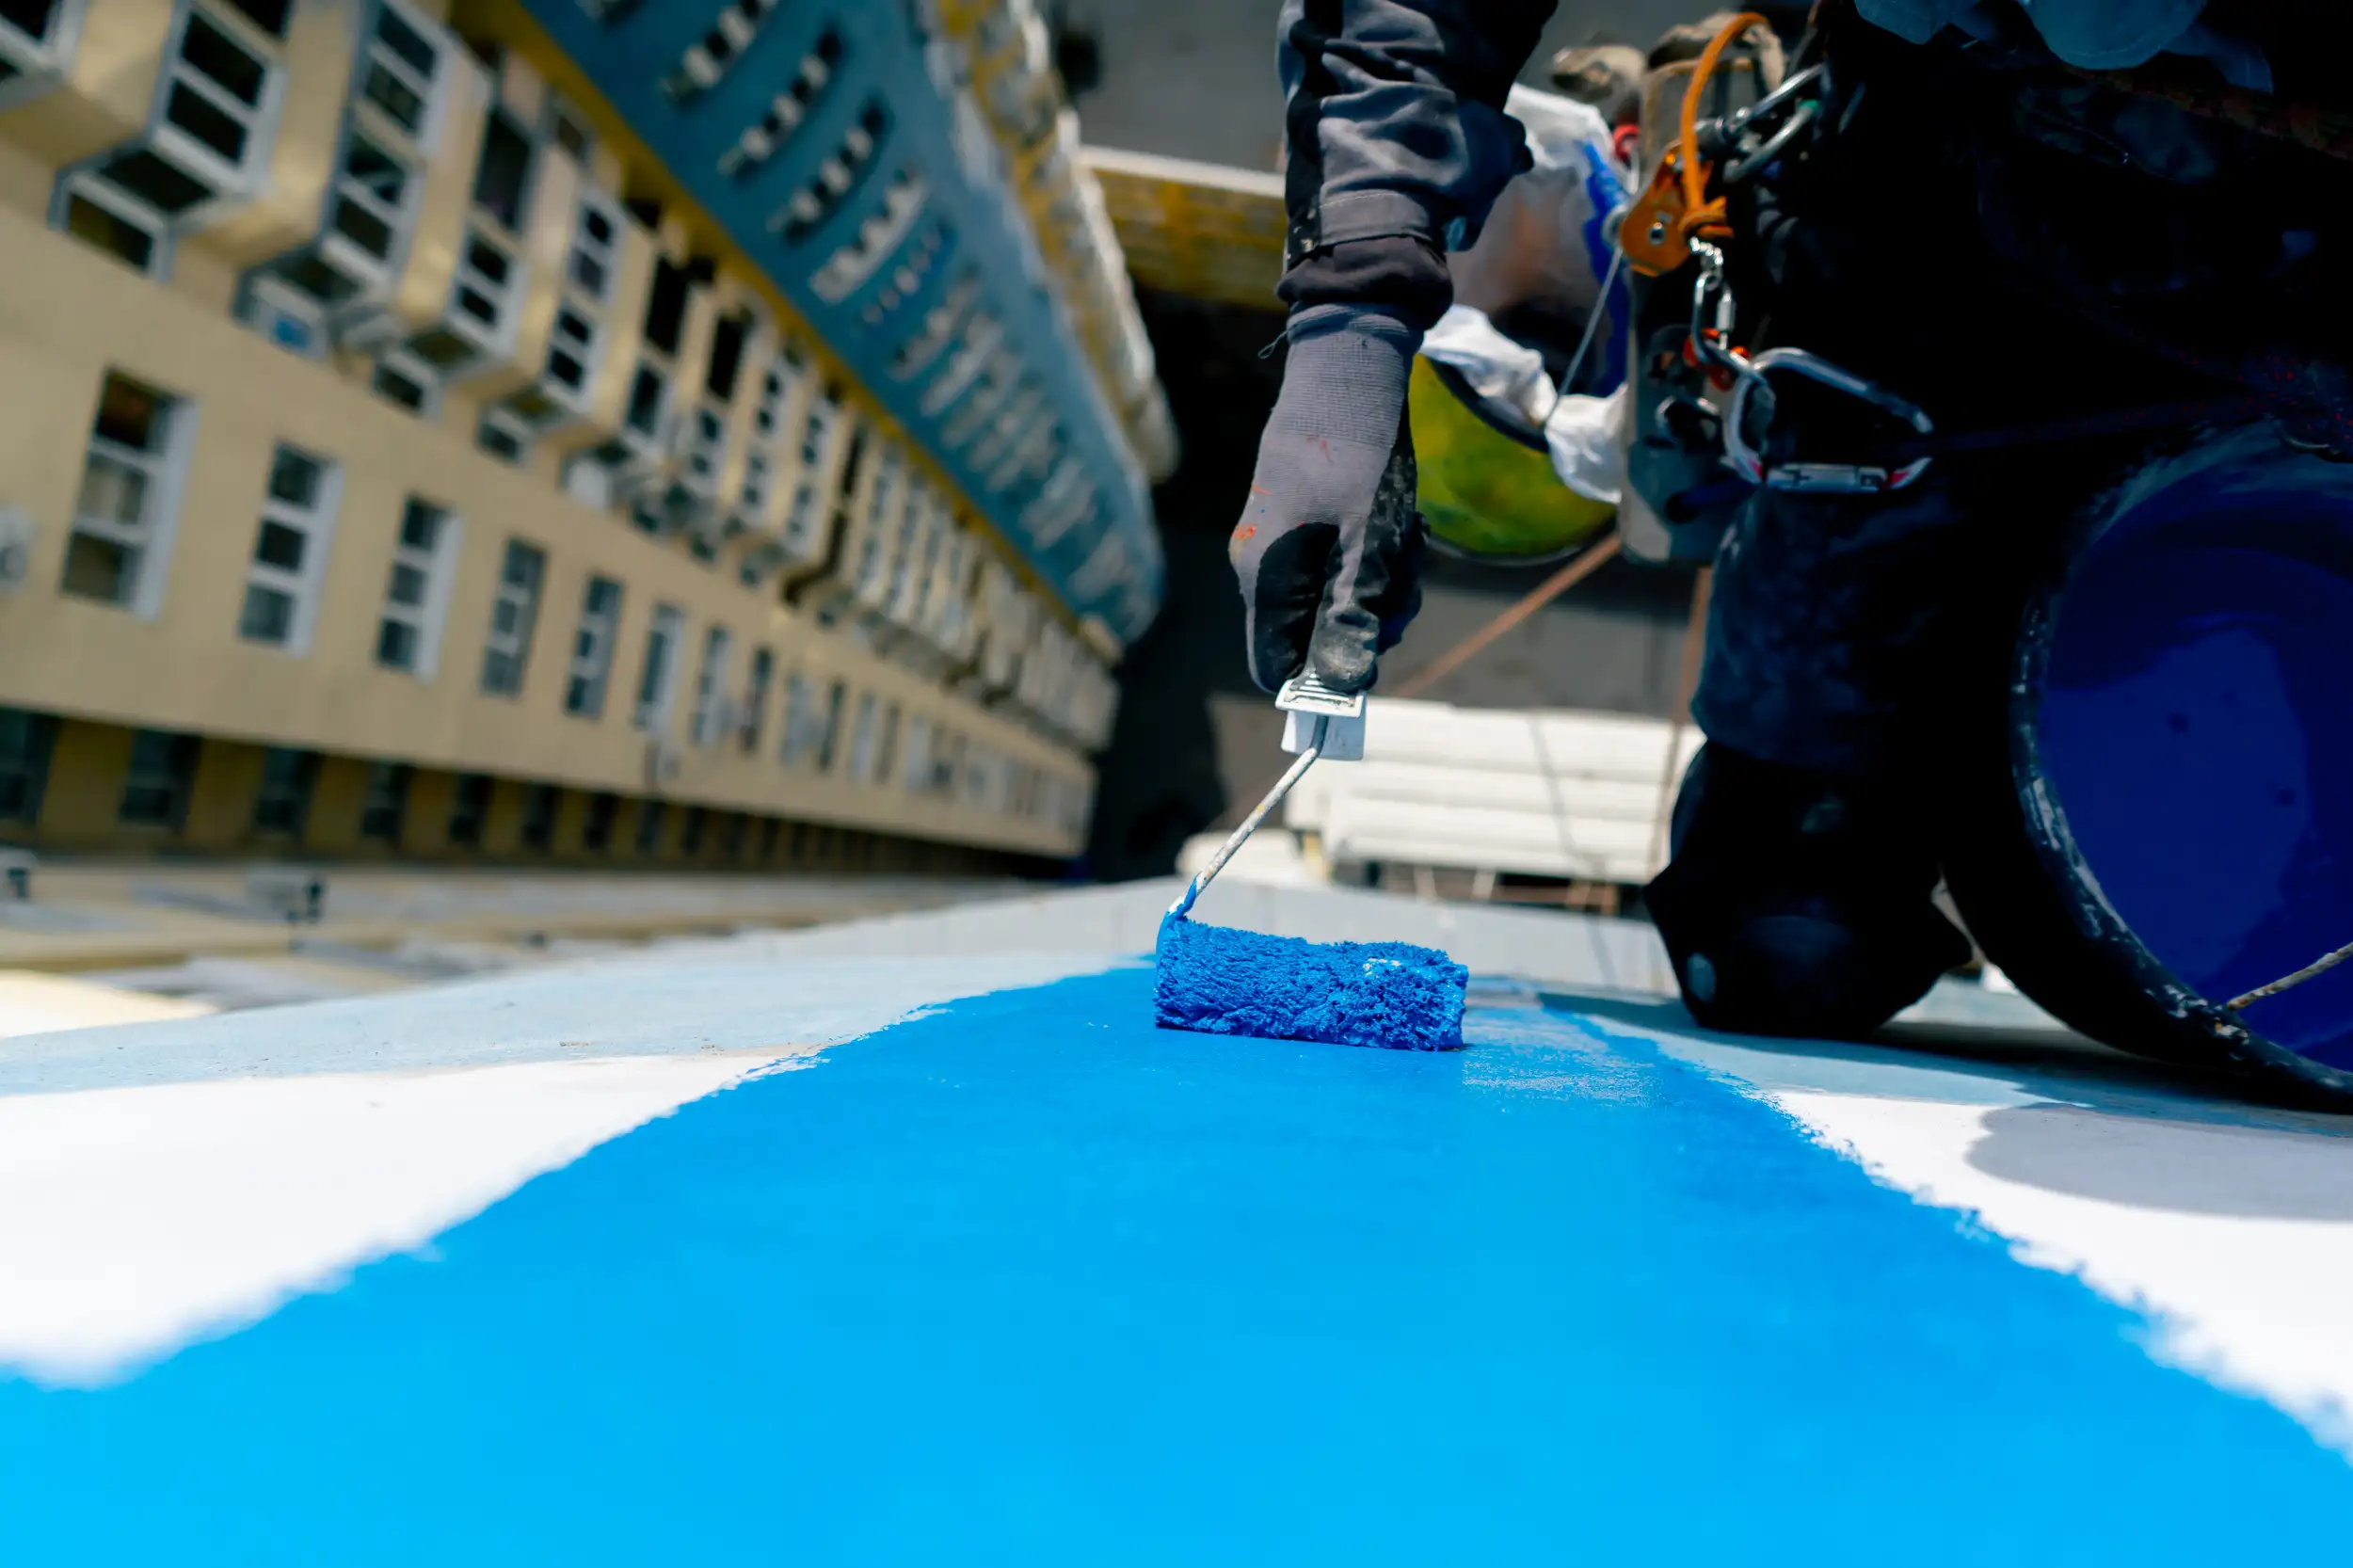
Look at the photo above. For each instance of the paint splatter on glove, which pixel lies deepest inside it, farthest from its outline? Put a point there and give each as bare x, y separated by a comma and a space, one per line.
1329, 549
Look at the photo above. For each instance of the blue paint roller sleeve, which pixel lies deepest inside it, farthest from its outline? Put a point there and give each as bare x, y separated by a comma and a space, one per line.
1392, 995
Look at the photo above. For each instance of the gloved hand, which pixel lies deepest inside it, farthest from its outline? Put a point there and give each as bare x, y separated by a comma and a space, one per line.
1329, 549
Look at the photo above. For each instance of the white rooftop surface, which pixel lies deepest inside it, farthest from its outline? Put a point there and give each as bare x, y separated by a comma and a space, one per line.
168, 1181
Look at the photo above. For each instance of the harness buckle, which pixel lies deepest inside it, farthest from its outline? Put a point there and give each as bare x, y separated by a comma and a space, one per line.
1817, 478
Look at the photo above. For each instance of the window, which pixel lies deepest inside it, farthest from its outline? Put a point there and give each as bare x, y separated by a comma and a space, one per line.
129, 500
469, 808
217, 97
281, 806
787, 111
751, 499
886, 745
397, 74
763, 673
783, 371
503, 179
540, 805
483, 287
690, 830
595, 240
917, 776
502, 433
707, 58
408, 637
99, 212
817, 437
370, 209
657, 677
281, 581
710, 689
732, 838
881, 515
268, 15
26, 741
596, 828
862, 739
726, 354
573, 345
812, 722
837, 178
161, 778
569, 129
880, 234
666, 305
400, 377
25, 27
384, 805
649, 820
592, 649
829, 721
514, 613
706, 448
771, 830
649, 397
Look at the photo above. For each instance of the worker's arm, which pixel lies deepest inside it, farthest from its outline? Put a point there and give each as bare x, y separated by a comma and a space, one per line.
1398, 147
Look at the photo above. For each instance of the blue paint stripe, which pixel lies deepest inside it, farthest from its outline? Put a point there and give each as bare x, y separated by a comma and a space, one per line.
1030, 1282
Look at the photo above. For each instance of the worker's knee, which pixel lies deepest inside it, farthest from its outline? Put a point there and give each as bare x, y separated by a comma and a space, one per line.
1797, 905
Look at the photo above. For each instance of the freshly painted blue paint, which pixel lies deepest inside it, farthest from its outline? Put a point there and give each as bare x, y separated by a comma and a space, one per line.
1223, 980
2198, 725
1033, 1282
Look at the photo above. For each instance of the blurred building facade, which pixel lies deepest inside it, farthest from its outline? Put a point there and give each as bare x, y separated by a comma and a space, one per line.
581, 429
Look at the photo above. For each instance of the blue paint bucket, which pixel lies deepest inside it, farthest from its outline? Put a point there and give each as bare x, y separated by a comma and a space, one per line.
2180, 727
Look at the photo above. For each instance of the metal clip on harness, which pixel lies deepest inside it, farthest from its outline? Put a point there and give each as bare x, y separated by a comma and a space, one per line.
1711, 343
1818, 478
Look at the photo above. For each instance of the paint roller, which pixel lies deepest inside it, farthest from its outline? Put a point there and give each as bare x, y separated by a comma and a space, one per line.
1223, 981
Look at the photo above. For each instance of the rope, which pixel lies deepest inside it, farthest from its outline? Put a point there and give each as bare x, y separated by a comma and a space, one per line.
1543, 594
2288, 981
1702, 218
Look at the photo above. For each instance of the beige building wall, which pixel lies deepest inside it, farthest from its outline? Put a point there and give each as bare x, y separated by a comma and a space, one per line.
71, 315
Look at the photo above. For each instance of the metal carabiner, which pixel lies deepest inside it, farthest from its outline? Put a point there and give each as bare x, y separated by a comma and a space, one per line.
1818, 478
1711, 341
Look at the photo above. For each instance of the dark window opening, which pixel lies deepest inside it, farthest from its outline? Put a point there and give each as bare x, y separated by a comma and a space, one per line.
224, 60
665, 307
650, 818
834, 699
398, 387
27, 742
156, 182
569, 131
503, 178
726, 354
645, 402
32, 18
732, 839
770, 830
690, 830
540, 808
470, 809
161, 778
92, 224
268, 15
597, 831
281, 807
384, 807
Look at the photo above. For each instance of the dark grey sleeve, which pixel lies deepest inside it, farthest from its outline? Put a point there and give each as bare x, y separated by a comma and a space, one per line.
1394, 116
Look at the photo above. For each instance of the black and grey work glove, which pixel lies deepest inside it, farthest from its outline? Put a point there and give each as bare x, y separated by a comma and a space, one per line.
1329, 549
